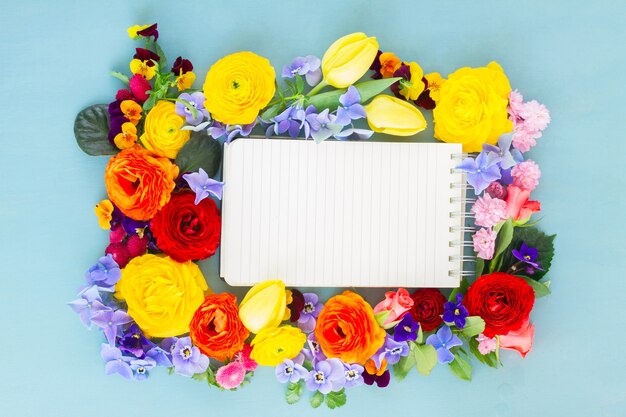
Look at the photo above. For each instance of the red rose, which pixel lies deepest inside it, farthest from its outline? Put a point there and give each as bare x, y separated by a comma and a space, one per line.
504, 301
428, 308
186, 231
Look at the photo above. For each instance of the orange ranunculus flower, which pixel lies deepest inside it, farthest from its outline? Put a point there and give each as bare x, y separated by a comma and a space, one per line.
138, 183
216, 328
346, 329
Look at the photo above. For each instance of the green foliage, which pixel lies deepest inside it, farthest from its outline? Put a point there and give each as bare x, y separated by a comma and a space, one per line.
461, 368
336, 399
200, 151
425, 358
541, 290
489, 359
536, 239
480, 266
405, 364
474, 325
91, 129
122, 77
503, 240
367, 90
317, 399
461, 289
293, 393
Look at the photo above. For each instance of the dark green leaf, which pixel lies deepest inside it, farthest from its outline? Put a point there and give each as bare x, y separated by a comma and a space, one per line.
317, 399
293, 393
161, 54
91, 129
336, 399
367, 90
461, 368
541, 290
200, 151
535, 239
474, 325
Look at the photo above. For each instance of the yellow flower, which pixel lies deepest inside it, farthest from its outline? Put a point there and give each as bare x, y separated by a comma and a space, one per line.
104, 211
140, 67
132, 31
471, 109
162, 130
264, 306
390, 115
273, 345
238, 86
435, 81
161, 294
127, 138
131, 110
412, 89
184, 81
348, 59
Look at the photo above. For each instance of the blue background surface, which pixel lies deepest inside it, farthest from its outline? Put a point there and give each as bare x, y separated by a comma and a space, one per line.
56, 57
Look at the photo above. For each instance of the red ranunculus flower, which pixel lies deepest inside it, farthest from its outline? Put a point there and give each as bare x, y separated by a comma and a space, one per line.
504, 301
186, 231
428, 308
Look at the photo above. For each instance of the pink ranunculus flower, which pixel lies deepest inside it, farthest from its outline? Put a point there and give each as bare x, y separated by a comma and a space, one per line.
520, 340
488, 211
398, 303
484, 243
518, 207
486, 344
526, 175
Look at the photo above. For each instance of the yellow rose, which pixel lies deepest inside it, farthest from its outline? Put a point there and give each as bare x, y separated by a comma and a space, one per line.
348, 59
471, 107
273, 345
265, 305
390, 115
162, 295
162, 134
238, 86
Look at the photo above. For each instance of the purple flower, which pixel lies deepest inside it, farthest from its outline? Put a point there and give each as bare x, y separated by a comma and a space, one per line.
381, 380
109, 321
353, 374
150, 31
305, 116
350, 108
134, 227
134, 342
104, 273
161, 356
442, 341
481, 171
309, 66
314, 347
392, 351
116, 363
354, 134
203, 186
187, 358
309, 313
217, 130
141, 367
455, 312
289, 371
506, 158
88, 305
195, 100
406, 329
285, 122
323, 125
528, 255
326, 376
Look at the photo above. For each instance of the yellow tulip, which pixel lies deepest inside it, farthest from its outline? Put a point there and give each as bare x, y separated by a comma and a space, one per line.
263, 306
390, 115
348, 59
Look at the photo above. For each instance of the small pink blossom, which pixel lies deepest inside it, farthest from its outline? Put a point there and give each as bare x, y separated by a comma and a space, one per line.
486, 344
526, 175
397, 303
496, 190
230, 376
536, 116
516, 103
484, 243
243, 356
489, 211
524, 141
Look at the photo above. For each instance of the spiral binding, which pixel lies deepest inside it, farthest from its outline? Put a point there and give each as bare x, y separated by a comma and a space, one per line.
459, 230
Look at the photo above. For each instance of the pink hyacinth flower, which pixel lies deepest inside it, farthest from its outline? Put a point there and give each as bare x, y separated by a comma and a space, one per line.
486, 344
488, 211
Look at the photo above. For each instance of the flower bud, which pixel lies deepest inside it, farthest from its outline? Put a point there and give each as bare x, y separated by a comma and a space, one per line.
387, 114
263, 306
348, 59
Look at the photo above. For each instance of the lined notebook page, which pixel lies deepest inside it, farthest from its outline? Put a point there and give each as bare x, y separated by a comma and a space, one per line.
336, 214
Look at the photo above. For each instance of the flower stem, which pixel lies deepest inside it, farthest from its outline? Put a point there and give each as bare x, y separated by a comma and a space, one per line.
317, 88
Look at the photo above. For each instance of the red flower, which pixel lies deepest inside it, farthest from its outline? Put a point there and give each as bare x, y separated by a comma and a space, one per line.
504, 301
139, 85
428, 308
186, 231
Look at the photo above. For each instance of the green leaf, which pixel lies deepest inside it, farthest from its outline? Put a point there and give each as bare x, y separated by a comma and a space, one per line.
150, 102
505, 235
461, 368
317, 399
91, 129
293, 393
461, 289
273, 111
200, 377
489, 359
299, 84
480, 265
336, 399
474, 325
161, 54
122, 77
534, 238
425, 358
200, 151
405, 364
541, 290
170, 370
367, 90
420, 336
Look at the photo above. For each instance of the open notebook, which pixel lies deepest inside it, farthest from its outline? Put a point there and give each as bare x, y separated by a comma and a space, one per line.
340, 214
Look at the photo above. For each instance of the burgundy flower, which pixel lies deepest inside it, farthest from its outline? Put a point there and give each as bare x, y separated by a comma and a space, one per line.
181, 66
404, 72
123, 94
143, 54
149, 31
424, 101
376, 66
296, 305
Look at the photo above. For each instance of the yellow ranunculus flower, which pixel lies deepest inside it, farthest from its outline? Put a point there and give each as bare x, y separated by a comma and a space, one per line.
238, 86
390, 115
264, 306
273, 345
471, 108
162, 295
162, 130
348, 58
104, 212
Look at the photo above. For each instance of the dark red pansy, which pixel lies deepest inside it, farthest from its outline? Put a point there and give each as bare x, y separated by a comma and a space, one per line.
143, 54
181, 66
150, 31
404, 72
376, 66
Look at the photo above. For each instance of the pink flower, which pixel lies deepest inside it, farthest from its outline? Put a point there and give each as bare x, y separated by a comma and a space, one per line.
230, 376
524, 141
520, 340
526, 175
243, 356
536, 116
518, 207
516, 104
486, 344
489, 211
397, 303
496, 190
484, 243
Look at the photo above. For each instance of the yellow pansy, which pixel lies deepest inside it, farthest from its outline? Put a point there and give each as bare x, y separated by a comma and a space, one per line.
264, 306
142, 68
131, 110
435, 81
162, 130
104, 212
132, 31
162, 295
273, 345
348, 59
412, 89
127, 137
390, 115
184, 81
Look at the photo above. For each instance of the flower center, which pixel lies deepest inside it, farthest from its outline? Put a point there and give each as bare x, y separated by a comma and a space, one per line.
319, 378
527, 257
141, 370
407, 329
288, 370
185, 352
308, 308
351, 375
395, 351
457, 312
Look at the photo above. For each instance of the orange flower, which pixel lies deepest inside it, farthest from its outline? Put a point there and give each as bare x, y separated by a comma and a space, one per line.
131, 110
346, 329
138, 183
127, 137
389, 63
216, 328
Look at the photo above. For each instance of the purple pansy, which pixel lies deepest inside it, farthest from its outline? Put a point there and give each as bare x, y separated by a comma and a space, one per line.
314, 347
309, 313
350, 108
529, 256
116, 363
134, 342
187, 358
141, 367
161, 356
289, 371
196, 100
391, 351
309, 66
203, 186
481, 171
88, 304
353, 374
109, 321
406, 329
326, 376
104, 273
455, 312
443, 341
323, 125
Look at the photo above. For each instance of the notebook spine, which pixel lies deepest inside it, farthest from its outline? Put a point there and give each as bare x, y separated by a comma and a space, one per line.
461, 226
